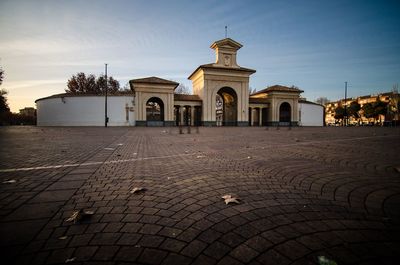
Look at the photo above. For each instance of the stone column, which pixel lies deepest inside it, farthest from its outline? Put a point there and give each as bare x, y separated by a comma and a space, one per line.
252, 116
181, 115
192, 115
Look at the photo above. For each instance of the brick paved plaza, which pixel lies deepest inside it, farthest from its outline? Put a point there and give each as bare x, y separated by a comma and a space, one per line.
303, 193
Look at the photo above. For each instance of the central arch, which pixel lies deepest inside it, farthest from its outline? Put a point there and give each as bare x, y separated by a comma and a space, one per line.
285, 111
155, 112
226, 107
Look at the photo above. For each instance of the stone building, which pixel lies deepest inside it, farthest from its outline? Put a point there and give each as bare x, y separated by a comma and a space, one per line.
220, 98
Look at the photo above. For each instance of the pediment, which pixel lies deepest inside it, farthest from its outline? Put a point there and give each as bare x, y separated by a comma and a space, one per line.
227, 43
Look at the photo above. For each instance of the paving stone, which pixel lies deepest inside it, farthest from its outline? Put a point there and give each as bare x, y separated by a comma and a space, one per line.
273, 257
173, 245
60, 255
150, 229
194, 248
85, 253
217, 250
151, 241
129, 254
299, 199
106, 253
244, 253
174, 259
80, 240
129, 239
105, 239
152, 256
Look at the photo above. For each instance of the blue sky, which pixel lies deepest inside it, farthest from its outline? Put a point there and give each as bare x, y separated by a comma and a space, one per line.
315, 45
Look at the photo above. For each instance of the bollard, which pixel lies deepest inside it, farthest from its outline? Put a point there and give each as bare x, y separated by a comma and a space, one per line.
197, 129
188, 129
180, 129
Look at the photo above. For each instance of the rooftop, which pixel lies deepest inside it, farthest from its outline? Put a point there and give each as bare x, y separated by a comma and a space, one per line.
280, 89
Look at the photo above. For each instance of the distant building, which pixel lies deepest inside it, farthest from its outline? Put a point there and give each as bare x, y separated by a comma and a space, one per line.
387, 97
221, 98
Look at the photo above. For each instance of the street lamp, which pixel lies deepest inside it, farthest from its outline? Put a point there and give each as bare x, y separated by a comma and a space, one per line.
105, 102
345, 102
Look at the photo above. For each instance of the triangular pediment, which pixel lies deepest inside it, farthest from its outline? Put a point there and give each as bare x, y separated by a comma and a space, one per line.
226, 43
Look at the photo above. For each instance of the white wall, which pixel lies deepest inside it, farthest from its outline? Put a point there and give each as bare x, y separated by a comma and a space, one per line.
311, 114
84, 111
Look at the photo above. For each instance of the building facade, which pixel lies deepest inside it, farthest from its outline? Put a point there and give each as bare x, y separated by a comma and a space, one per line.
391, 99
220, 98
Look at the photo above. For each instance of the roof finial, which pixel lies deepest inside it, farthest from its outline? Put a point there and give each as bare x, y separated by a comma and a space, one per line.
226, 32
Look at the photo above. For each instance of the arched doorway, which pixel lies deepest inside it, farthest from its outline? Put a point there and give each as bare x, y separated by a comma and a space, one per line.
155, 112
226, 106
285, 114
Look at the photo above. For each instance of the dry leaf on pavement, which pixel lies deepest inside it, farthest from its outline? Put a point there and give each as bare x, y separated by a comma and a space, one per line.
138, 189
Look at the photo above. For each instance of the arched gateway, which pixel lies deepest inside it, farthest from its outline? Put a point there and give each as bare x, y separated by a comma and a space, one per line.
223, 82
155, 112
220, 97
226, 107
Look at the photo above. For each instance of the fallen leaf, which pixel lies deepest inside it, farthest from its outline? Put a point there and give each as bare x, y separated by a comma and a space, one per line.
87, 212
322, 260
9, 181
134, 154
186, 152
200, 156
138, 189
231, 200
79, 215
63, 237
108, 148
75, 217
70, 260
248, 157
120, 144
227, 196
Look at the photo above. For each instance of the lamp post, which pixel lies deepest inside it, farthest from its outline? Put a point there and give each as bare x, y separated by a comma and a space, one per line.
105, 101
345, 101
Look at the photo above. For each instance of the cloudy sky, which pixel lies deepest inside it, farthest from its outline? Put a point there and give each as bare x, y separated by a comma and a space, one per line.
315, 45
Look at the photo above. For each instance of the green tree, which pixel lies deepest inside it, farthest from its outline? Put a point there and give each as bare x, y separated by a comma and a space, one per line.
353, 110
368, 110
4, 108
339, 113
380, 108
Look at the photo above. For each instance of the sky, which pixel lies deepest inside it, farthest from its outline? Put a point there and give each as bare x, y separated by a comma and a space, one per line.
314, 45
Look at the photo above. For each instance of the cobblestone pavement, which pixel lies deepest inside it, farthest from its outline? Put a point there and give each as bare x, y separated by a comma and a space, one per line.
304, 193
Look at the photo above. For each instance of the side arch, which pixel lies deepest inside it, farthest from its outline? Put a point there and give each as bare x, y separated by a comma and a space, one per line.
155, 112
285, 113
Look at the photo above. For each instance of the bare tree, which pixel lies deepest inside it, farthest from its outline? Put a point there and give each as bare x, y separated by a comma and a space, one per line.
1, 75
182, 89
322, 100
113, 85
80, 83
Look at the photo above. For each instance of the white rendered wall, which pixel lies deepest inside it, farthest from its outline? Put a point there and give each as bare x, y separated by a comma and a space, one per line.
311, 115
85, 111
